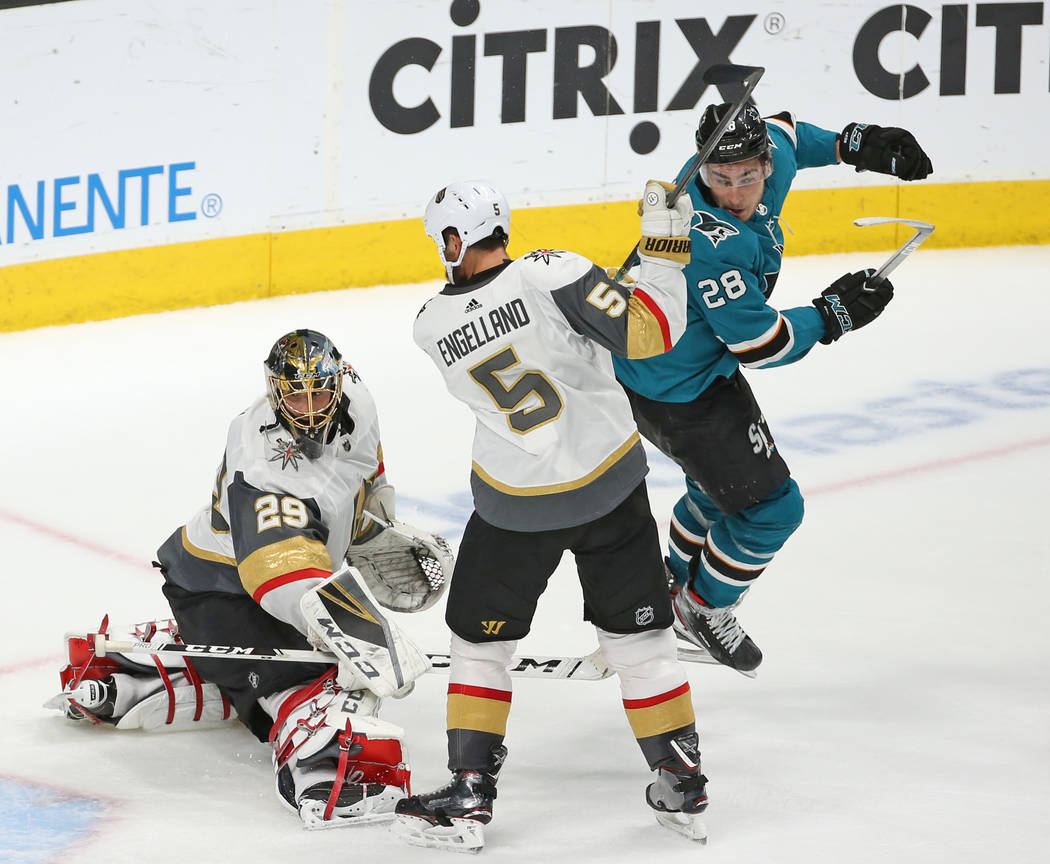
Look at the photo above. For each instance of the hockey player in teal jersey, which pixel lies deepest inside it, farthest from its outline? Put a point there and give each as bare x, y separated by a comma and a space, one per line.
693, 403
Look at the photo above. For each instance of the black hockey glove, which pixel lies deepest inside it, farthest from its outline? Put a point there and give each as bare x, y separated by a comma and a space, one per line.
885, 150
850, 302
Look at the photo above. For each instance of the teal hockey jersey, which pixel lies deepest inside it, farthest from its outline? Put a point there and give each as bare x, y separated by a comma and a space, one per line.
733, 269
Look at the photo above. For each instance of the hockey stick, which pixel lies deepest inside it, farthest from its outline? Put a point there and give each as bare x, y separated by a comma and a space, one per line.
922, 231
589, 668
720, 73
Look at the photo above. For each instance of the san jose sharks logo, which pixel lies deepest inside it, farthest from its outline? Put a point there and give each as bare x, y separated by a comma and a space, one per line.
713, 229
288, 452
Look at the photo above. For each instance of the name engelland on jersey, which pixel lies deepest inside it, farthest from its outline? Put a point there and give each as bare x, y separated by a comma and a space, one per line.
472, 335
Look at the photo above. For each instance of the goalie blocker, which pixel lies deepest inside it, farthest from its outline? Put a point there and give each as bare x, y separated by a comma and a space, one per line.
372, 651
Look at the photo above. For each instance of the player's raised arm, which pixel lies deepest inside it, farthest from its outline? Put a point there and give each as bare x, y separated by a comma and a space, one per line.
642, 317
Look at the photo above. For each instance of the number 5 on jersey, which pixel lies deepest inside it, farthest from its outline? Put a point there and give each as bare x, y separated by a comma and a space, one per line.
530, 382
603, 296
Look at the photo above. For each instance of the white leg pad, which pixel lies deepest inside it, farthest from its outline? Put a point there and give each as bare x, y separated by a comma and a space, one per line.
180, 708
335, 763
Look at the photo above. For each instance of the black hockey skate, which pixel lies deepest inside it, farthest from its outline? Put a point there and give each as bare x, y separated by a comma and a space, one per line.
716, 630
452, 817
679, 793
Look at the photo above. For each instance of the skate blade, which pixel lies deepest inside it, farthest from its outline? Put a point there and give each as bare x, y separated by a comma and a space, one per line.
684, 824
691, 653
373, 810
464, 835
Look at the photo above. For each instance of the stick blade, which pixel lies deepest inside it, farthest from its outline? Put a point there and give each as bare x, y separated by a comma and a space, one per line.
731, 73
865, 221
733, 81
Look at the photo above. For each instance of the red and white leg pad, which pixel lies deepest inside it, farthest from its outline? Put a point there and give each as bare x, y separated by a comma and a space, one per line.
336, 763
137, 691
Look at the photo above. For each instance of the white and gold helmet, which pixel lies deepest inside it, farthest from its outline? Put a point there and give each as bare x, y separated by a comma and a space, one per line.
474, 208
304, 376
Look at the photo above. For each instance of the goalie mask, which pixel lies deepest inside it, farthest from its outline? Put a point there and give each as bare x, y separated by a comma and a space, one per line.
474, 209
304, 375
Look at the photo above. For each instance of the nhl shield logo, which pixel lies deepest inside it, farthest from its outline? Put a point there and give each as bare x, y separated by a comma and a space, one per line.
643, 615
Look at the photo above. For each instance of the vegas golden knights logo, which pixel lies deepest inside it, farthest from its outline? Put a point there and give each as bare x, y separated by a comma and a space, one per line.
491, 628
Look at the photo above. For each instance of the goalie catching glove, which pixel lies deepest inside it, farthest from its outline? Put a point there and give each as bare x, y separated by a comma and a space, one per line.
406, 569
373, 653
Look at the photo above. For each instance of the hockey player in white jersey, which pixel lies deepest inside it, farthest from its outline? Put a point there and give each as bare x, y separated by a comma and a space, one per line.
557, 465
301, 486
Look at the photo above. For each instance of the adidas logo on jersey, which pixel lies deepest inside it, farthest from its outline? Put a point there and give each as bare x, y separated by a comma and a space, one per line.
472, 306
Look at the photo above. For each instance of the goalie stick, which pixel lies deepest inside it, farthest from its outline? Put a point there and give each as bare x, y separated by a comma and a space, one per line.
592, 667
922, 231
721, 73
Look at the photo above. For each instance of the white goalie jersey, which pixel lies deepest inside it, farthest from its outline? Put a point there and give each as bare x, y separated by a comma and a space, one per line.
526, 346
279, 523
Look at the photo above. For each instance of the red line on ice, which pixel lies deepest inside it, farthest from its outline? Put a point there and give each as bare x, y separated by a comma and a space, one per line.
57, 534
935, 465
31, 664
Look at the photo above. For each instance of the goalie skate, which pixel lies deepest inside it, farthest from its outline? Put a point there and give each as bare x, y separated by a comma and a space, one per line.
357, 804
336, 763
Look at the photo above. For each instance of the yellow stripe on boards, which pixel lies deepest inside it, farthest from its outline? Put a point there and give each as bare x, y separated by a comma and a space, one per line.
225, 270
133, 282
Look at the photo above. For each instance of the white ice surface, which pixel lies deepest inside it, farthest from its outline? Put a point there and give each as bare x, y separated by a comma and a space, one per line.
902, 713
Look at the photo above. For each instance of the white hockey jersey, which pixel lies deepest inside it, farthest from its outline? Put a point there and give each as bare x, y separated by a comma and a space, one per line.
278, 521
526, 345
